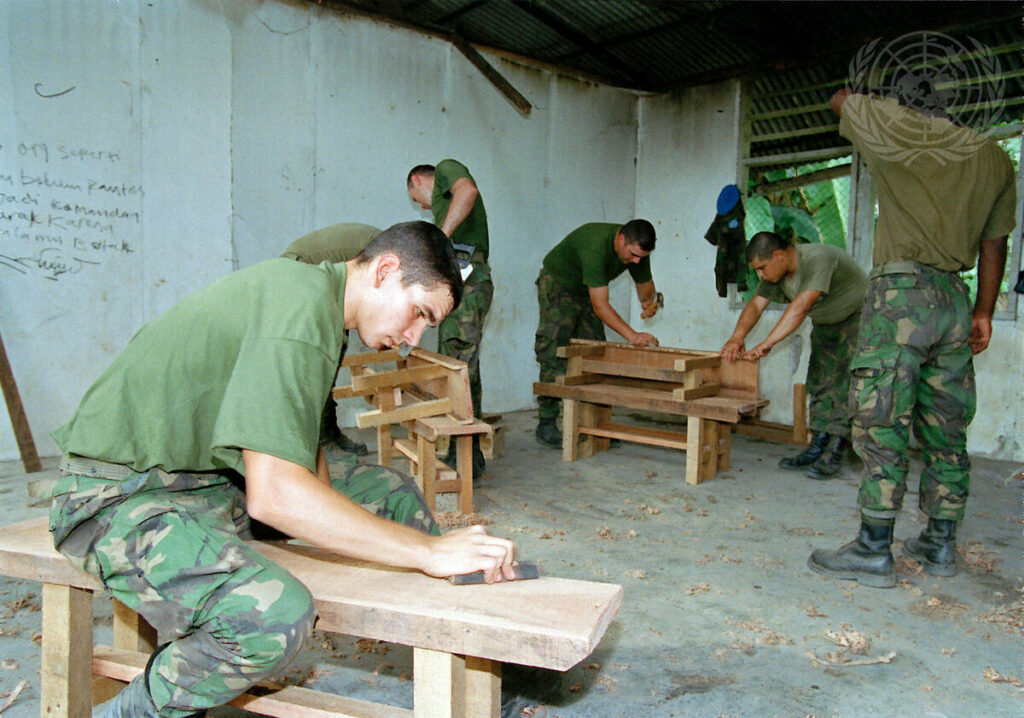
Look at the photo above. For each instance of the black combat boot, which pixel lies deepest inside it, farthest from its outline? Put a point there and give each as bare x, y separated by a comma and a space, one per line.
831, 460
808, 456
548, 434
935, 548
867, 559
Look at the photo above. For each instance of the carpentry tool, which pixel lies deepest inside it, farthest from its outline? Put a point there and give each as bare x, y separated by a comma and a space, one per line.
523, 570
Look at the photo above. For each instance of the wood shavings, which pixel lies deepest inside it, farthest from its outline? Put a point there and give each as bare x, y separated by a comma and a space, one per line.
813, 612
1010, 616
13, 695
551, 534
637, 574
977, 558
887, 658
694, 590
993, 676
456, 519
606, 533
852, 641
9, 664
652, 510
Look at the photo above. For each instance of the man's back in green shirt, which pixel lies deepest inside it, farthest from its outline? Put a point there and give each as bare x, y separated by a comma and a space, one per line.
246, 362
586, 259
826, 269
337, 243
473, 230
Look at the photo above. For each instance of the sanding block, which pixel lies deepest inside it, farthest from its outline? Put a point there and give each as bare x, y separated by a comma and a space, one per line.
523, 570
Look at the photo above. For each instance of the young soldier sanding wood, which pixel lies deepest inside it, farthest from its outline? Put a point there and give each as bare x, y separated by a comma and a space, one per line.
231, 382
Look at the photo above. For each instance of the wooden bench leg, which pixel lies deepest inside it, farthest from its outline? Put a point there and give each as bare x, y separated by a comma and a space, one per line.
438, 685
570, 429
695, 439
426, 471
131, 632
483, 688
588, 418
724, 446
464, 469
66, 670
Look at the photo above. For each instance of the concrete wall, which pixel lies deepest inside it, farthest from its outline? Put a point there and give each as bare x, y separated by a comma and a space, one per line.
148, 148
183, 140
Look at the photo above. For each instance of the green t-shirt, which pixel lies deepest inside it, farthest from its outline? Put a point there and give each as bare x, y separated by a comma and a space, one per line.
942, 189
826, 269
473, 230
337, 243
586, 258
246, 362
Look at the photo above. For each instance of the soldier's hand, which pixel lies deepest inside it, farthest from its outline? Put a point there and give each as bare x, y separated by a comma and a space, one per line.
981, 333
643, 339
757, 352
732, 350
468, 550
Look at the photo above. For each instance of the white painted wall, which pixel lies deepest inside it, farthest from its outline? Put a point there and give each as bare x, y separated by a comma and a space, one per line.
221, 131
236, 127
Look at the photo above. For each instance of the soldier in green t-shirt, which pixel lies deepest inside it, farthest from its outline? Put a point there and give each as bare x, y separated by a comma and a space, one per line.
572, 290
824, 283
946, 198
337, 243
228, 384
450, 193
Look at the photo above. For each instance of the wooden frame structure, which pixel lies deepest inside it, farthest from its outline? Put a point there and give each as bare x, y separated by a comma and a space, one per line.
428, 394
460, 635
712, 394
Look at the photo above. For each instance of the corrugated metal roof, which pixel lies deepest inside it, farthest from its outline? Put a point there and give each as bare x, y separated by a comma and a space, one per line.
791, 55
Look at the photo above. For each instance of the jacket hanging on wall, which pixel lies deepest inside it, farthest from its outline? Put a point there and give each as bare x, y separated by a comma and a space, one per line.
726, 232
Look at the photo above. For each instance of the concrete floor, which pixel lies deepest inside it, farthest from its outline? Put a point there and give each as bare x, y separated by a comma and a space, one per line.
721, 617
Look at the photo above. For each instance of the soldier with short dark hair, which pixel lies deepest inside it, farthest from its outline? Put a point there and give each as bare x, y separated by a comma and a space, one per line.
451, 194
207, 421
572, 290
824, 283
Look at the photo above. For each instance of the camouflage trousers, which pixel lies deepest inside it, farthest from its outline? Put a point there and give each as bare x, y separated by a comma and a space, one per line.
461, 332
913, 369
171, 546
563, 316
828, 375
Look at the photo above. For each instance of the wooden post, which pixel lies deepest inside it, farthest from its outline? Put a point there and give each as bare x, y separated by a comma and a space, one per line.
438, 685
464, 469
65, 673
587, 418
694, 441
570, 429
800, 414
483, 688
427, 470
132, 633
15, 409
388, 401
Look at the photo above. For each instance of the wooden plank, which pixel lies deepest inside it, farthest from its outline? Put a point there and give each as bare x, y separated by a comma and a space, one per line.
597, 366
378, 357
407, 447
709, 451
698, 362
430, 357
638, 435
434, 427
398, 377
64, 674
550, 622
16, 412
719, 408
566, 380
576, 350
684, 394
385, 402
289, 702
402, 413
453, 386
